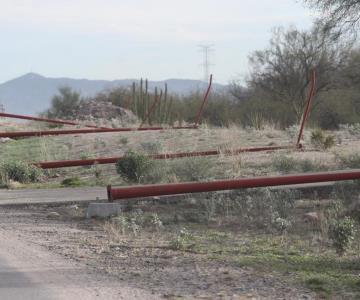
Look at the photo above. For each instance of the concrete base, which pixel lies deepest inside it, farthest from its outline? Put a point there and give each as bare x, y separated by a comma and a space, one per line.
103, 210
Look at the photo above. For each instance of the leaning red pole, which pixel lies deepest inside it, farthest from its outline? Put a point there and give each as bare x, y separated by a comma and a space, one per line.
54, 121
220, 185
112, 160
307, 107
83, 131
199, 115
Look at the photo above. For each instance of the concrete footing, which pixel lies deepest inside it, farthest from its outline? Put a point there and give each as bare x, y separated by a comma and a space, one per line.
103, 210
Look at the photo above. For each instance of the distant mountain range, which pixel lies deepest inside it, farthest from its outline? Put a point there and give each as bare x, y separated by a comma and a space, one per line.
31, 94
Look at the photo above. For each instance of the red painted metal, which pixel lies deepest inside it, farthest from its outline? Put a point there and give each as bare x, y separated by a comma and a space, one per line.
53, 121
112, 160
199, 115
307, 107
151, 110
220, 185
83, 131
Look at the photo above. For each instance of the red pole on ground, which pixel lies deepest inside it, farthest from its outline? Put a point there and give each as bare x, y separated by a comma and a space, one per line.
307, 107
112, 160
83, 131
199, 115
220, 185
54, 121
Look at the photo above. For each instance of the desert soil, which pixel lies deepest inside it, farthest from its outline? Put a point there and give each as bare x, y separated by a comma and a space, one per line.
52, 252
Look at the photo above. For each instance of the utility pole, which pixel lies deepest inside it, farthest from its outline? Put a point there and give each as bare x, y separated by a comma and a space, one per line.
206, 50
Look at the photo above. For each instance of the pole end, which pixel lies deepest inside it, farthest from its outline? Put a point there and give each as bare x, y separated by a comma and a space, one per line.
109, 194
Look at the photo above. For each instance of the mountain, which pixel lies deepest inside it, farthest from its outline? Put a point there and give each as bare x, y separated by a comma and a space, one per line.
31, 93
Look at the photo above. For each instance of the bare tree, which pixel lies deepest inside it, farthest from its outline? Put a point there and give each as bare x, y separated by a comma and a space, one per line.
283, 70
343, 15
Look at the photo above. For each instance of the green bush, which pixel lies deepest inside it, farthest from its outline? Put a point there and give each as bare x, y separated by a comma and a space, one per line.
342, 232
19, 171
134, 167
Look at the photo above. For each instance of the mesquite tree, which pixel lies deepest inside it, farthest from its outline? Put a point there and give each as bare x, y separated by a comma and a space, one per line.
282, 72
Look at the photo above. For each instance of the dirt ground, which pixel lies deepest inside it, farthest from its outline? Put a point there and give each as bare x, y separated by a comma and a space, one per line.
144, 262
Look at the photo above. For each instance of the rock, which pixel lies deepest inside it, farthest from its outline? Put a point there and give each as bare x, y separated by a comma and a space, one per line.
312, 217
53, 215
101, 110
4, 140
103, 210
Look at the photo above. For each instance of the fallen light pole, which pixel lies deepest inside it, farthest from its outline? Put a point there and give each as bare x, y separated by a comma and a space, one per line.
112, 160
53, 121
220, 185
18, 134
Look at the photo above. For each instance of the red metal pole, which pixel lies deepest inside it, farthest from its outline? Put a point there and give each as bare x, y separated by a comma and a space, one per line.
307, 107
198, 117
112, 160
54, 121
200, 187
83, 131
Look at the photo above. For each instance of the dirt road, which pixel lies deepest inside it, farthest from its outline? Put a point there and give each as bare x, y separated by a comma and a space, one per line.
30, 272
47, 196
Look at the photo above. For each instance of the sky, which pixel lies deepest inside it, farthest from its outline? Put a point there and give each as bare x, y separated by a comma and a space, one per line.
155, 39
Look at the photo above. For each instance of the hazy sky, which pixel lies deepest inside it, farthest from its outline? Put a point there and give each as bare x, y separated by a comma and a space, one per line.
157, 39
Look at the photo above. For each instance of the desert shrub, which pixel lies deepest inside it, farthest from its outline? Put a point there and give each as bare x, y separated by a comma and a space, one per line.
308, 165
292, 131
347, 191
72, 181
284, 163
192, 168
322, 141
329, 119
353, 129
19, 171
259, 207
351, 160
341, 232
182, 240
133, 167
152, 147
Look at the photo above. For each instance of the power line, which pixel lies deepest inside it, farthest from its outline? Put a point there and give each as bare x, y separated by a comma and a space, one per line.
206, 49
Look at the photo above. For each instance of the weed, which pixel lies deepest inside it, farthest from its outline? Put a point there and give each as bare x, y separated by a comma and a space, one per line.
319, 284
72, 181
182, 240
155, 222
124, 140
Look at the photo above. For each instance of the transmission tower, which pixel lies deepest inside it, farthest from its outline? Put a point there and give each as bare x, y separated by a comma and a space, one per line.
206, 50
2, 108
